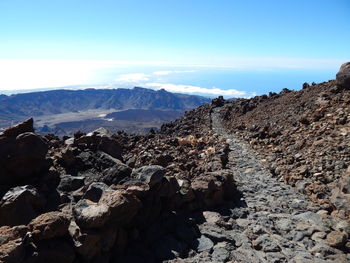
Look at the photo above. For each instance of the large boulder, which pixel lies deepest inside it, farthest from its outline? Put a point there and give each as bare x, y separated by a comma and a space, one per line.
14, 131
8, 233
94, 166
116, 173
100, 140
20, 205
12, 247
90, 243
22, 154
12, 251
95, 191
122, 204
70, 183
151, 174
49, 225
88, 214
343, 75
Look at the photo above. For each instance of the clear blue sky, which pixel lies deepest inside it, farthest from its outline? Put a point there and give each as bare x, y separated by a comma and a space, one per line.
179, 31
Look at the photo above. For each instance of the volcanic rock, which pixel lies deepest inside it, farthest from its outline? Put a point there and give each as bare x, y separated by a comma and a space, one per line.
343, 75
49, 225
22, 158
151, 175
100, 140
91, 215
19, 205
123, 206
95, 191
14, 131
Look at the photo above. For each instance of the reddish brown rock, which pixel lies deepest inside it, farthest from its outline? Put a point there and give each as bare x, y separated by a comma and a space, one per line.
123, 206
14, 131
12, 251
12, 248
49, 225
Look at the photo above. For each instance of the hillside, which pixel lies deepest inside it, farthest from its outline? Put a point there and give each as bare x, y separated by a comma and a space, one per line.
225, 182
63, 111
303, 137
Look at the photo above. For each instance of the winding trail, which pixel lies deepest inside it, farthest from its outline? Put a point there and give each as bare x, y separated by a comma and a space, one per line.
273, 222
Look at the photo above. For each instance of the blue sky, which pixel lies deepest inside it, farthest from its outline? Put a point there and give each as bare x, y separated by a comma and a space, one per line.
47, 44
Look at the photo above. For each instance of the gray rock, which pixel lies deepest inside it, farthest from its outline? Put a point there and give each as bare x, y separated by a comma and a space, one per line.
248, 255
221, 252
203, 244
151, 174
311, 217
266, 244
91, 215
215, 233
284, 224
95, 191
343, 75
70, 183
100, 140
116, 173
20, 205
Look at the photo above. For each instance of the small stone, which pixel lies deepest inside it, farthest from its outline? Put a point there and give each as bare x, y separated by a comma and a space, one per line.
212, 217
203, 244
336, 239
242, 222
322, 213
343, 226
220, 254
266, 244
284, 224
317, 236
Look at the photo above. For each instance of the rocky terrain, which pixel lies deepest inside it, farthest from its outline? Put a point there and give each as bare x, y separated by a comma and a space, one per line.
223, 183
303, 138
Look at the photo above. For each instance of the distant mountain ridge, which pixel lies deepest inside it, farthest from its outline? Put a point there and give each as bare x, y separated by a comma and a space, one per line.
61, 101
136, 109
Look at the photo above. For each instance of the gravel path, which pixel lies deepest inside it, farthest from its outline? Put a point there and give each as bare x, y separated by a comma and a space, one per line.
271, 223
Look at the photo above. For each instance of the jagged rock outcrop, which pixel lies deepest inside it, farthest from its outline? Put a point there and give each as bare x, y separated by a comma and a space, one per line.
22, 155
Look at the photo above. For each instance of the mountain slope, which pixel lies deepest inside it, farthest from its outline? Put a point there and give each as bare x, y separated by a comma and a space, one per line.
61, 101
304, 137
63, 111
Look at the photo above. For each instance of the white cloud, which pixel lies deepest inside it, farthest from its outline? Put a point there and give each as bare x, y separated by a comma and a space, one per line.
168, 72
133, 77
199, 90
19, 74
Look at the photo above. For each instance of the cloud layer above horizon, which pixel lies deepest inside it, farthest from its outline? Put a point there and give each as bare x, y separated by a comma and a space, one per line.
152, 81
32, 74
